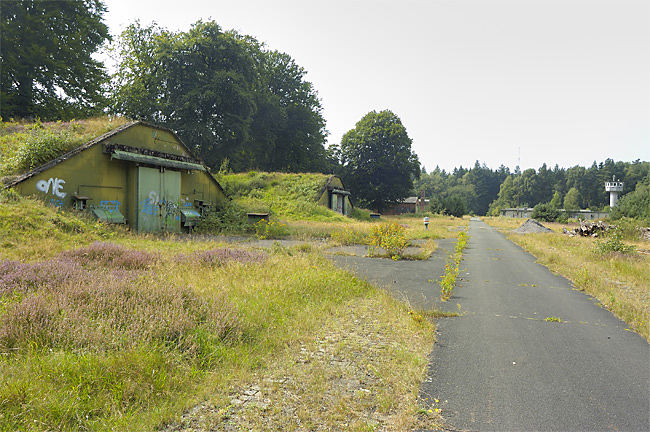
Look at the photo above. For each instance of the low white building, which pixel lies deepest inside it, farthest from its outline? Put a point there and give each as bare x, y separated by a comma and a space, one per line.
526, 213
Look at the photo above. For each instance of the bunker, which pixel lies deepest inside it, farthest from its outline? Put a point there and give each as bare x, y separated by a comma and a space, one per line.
138, 174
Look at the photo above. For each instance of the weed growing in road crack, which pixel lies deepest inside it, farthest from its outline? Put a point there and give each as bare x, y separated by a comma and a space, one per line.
448, 280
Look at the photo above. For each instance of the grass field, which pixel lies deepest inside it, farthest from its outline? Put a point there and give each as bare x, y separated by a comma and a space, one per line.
621, 282
102, 329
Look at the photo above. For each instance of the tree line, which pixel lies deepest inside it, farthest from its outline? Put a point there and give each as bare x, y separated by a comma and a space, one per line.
482, 191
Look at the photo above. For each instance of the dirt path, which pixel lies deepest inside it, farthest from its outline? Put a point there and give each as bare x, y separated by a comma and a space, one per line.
509, 365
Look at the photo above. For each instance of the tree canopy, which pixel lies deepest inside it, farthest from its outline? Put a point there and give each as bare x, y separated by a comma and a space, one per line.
47, 69
225, 94
377, 163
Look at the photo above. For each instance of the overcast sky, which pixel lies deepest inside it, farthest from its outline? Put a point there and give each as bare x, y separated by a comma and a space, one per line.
560, 82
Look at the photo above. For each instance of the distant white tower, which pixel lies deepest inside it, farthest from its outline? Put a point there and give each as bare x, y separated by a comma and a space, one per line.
614, 188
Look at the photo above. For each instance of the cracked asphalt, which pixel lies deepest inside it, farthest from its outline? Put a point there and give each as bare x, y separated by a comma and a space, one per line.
508, 365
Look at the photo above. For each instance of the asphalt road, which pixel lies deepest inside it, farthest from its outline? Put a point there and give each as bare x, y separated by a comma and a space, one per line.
413, 282
502, 367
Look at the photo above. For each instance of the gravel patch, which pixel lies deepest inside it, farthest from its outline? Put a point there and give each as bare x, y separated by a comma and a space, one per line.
334, 382
531, 226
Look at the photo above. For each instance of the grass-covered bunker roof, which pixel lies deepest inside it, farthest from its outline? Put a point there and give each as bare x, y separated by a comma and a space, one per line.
289, 196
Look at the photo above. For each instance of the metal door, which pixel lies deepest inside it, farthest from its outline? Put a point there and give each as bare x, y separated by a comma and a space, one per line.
159, 193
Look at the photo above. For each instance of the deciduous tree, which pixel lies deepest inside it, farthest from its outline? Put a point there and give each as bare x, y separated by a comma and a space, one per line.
225, 94
47, 66
378, 164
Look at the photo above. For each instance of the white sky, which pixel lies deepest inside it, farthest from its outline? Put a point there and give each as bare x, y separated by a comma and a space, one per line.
548, 81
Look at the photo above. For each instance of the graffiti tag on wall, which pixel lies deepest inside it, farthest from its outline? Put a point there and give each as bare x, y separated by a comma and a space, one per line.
168, 210
149, 205
110, 205
55, 183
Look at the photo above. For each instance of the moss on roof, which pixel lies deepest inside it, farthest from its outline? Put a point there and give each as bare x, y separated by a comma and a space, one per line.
27, 145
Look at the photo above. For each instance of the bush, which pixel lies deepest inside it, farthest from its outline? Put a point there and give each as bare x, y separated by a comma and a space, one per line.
9, 195
229, 219
613, 244
545, 212
24, 151
270, 230
390, 237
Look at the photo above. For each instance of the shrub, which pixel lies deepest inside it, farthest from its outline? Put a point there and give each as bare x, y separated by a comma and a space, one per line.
270, 230
613, 244
390, 237
359, 214
230, 218
546, 212
36, 146
9, 196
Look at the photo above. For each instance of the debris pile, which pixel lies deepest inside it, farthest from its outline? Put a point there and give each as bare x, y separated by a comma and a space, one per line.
589, 229
531, 226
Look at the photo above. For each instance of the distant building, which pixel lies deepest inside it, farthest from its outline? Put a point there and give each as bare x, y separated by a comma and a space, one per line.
407, 205
138, 174
526, 213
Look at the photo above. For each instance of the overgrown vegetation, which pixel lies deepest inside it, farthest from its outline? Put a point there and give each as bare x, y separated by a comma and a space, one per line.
31, 230
284, 196
391, 238
230, 218
619, 281
105, 330
24, 146
448, 279
269, 230
613, 244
